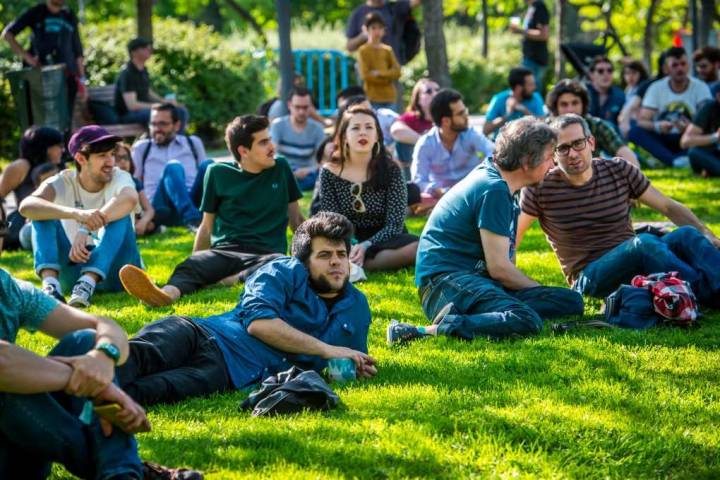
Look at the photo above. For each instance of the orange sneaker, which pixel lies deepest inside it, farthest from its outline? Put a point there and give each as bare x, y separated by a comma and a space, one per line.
138, 284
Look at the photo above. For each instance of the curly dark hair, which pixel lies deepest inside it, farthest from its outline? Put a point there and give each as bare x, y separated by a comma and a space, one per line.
567, 86
330, 225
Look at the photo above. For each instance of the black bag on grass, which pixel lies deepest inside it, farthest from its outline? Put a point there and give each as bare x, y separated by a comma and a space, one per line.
291, 391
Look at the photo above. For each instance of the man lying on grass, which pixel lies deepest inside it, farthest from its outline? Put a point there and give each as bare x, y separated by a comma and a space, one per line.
584, 209
246, 207
43, 399
297, 310
466, 274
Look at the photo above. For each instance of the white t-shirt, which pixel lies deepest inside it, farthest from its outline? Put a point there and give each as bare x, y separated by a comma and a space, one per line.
69, 193
660, 97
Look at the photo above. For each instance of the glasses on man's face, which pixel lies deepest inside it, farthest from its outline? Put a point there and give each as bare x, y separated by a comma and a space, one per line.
577, 145
603, 71
357, 201
160, 123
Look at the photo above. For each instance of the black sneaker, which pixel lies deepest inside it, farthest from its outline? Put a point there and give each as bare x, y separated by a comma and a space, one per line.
402, 332
153, 471
53, 292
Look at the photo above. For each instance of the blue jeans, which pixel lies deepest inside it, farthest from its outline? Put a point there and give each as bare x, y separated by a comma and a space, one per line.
484, 308
38, 429
143, 116
705, 158
684, 250
173, 204
538, 72
118, 247
665, 147
308, 182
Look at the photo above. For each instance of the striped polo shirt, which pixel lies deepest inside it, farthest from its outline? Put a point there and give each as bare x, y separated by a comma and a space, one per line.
584, 222
298, 147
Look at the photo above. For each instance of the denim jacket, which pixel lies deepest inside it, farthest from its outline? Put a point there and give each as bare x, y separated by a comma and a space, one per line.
280, 289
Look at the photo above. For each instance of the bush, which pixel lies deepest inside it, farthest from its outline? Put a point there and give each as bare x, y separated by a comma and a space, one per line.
215, 81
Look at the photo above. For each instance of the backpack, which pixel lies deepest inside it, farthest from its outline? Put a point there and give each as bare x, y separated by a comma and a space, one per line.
193, 149
673, 299
409, 35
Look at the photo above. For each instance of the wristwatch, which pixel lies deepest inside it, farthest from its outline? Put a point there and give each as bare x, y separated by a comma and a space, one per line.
110, 350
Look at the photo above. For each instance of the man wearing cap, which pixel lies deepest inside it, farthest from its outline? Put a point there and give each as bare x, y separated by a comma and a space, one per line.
133, 95
82, 220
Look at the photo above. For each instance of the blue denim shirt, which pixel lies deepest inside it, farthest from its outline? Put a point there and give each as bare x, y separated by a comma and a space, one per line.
609, 110
280, 289
433, 166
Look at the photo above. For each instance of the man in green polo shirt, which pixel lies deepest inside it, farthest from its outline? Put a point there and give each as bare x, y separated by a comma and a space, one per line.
246, 205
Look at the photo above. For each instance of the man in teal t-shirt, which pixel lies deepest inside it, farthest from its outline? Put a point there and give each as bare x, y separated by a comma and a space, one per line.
465, 269
246, 207
519, 100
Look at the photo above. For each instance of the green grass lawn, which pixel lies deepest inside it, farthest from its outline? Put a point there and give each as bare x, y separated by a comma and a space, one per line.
588, 404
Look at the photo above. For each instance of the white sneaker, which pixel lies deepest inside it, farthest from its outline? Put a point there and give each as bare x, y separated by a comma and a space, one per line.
81, 293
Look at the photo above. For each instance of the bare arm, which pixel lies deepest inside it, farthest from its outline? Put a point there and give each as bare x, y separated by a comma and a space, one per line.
678, 213
202, 237
628, 155
278, 334
356, 42
17, 48
525, 221
13, 176
121, 205
400, 132
541, 34
148, 210
692, 137
500, 268
22, 371
40, 206
645, 118
295, 216
132, 103
494, 124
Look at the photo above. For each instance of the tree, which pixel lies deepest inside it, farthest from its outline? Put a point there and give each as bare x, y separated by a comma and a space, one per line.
435, 48
144, 19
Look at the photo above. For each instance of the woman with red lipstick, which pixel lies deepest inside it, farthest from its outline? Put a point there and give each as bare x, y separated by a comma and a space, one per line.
364, 184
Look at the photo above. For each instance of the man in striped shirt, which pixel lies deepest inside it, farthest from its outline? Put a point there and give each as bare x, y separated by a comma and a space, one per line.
583, 205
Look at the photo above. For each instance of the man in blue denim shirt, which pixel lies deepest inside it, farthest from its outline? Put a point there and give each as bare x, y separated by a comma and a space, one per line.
465, 270
297, 310
449, 151
41, 398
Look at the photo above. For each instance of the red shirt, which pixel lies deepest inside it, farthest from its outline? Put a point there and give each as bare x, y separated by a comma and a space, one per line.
416, 121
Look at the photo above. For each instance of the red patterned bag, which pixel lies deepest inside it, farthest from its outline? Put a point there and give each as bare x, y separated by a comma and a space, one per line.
672, 297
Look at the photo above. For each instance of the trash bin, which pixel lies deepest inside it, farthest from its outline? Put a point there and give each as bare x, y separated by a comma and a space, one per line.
41, 96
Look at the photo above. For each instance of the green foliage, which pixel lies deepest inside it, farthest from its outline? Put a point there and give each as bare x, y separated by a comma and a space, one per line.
590, 404
215, 81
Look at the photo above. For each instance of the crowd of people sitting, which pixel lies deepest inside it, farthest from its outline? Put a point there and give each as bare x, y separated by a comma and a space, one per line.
566, 159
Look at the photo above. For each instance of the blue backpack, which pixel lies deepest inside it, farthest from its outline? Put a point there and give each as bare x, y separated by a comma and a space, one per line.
630, 307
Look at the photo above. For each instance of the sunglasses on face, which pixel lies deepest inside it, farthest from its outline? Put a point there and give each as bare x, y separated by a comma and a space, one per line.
430, 90
603, 71
577, 145
357, 201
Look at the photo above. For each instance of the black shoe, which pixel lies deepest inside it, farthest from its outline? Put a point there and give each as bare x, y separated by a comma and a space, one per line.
53, 292
402, 332
153, 471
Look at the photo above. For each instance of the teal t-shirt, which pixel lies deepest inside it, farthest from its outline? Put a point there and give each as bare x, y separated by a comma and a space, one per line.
250, 208
450, 241
21, 306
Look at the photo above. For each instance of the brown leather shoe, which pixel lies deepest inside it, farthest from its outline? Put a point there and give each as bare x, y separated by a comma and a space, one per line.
138, 284
153, 471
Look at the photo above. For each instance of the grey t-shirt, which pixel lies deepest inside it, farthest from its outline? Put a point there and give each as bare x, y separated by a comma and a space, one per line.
298, 147
669, 104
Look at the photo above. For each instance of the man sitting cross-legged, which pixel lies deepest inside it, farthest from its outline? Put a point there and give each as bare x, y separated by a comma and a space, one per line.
466, 274
82, 223
246, 205
584, 209
297, 310
43, 399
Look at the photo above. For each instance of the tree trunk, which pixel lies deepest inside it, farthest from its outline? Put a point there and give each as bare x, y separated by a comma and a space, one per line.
247, 16
648, 40
707, 17
286, 58
485, 45
144, 19
435, 49
559, 39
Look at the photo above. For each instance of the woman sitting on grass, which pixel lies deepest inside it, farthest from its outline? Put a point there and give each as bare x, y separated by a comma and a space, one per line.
38, 146
364, 184
144, 224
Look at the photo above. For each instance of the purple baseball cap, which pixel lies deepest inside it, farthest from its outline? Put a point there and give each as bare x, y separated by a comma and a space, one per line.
89, 135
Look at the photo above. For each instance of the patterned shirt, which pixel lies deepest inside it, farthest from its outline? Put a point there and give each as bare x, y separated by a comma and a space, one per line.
583, 223
384, 215
607, 139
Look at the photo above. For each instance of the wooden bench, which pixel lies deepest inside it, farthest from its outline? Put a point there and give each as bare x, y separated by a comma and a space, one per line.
105, 93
